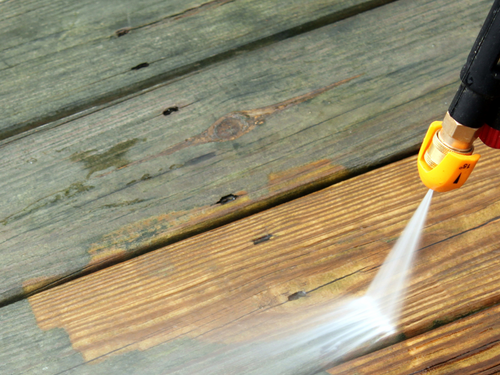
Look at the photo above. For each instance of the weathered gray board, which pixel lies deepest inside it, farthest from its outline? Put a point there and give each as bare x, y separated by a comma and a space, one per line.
58, 57
121, 180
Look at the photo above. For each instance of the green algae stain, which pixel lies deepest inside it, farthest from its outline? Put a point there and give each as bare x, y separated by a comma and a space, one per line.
94, 161
58, 196
123, 204
76, 188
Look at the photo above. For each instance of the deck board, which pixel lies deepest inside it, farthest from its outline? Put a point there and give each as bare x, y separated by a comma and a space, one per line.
294, 116
60, 57
165, 311
468, 346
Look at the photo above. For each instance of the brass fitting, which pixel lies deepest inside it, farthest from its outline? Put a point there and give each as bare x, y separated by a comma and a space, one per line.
453, 137
440, 167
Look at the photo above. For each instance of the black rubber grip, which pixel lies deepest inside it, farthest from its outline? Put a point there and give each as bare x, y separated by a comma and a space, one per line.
475, 102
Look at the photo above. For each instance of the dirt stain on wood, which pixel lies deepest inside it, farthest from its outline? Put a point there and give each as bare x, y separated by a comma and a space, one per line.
95, 161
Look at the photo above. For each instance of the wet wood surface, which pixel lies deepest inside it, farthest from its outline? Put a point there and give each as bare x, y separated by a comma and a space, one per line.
60, 57
165, 311
228, 140
470, 345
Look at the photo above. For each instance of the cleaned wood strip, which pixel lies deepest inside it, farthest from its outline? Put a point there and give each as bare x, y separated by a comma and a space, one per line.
63, 57
255, 131
468, 346
185, 303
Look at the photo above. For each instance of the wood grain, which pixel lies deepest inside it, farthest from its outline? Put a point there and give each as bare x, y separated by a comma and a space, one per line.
468, 346
108, 186
60, 57
189, 301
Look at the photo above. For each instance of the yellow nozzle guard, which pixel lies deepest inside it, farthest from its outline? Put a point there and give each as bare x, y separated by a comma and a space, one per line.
451, 173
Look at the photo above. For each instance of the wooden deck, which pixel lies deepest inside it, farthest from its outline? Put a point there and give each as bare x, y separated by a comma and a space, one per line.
174, 171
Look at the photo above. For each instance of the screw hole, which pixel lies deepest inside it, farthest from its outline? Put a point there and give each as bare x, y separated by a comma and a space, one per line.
297, 295
140, 66
170, 110
226, 199
259, 240
122, 32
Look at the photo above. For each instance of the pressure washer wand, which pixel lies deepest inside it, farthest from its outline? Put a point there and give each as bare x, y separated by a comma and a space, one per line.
446, 157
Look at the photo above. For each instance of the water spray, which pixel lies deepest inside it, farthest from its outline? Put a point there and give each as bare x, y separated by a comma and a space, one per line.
446, 157
333, 332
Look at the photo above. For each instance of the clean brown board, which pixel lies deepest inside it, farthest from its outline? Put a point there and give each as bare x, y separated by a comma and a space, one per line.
161, 311
265, 126
59, 57
468, 346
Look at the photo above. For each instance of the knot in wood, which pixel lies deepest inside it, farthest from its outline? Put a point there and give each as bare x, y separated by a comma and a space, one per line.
230, 127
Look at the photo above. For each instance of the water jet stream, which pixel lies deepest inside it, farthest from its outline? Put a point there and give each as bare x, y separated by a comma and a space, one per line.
322, 340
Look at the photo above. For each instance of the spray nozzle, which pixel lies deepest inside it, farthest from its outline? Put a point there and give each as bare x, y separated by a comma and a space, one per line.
445, 160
